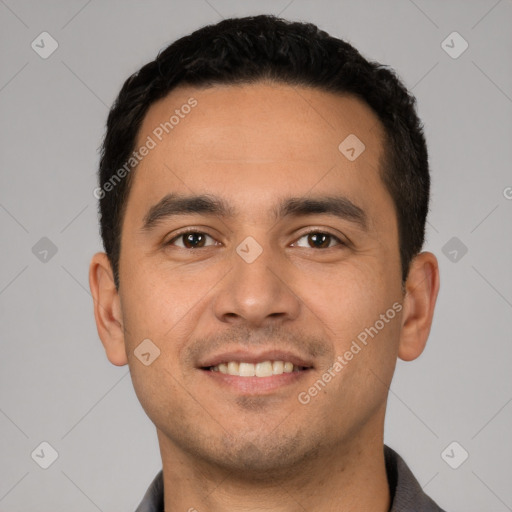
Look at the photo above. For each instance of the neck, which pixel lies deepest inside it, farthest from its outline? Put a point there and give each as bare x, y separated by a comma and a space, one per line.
341, 479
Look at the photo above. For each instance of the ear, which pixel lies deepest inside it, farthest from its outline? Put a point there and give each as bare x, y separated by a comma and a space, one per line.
421, 289
107, 309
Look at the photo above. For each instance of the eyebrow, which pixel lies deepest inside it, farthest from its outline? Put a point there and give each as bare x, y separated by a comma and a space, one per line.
173, 205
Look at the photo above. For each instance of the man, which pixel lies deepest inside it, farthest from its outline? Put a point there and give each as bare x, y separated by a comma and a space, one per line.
263, 197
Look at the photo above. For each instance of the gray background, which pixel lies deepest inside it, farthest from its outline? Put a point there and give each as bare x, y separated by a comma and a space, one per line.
56, 383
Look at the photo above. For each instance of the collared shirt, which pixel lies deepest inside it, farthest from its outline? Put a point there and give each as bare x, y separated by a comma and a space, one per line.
406, 493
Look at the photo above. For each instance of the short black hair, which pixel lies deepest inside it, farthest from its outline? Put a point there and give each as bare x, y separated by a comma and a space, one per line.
259, 48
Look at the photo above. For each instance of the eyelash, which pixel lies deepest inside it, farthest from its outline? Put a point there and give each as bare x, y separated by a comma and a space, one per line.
193, 231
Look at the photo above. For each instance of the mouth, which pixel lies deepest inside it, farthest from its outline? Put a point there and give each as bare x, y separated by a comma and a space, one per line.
260, 370
255, 374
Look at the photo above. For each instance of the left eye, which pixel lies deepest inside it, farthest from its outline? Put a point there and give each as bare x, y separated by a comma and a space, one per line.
320, 240
190, 240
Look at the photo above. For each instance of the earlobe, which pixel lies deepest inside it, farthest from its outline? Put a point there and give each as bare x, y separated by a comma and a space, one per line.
422, 287
107, 309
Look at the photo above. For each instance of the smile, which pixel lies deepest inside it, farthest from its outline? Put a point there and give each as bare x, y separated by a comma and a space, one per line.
263, 369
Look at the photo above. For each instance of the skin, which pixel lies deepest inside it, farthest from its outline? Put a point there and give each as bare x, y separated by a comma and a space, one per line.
222, 448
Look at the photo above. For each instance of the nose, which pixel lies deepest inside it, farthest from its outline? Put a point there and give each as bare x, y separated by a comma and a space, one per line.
257, 293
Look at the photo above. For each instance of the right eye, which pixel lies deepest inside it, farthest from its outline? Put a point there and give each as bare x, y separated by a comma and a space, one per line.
190, 240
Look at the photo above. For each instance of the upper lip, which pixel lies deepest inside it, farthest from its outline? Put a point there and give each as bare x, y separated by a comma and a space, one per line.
245, 356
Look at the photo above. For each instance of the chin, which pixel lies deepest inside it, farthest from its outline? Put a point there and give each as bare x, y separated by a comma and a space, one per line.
261, 459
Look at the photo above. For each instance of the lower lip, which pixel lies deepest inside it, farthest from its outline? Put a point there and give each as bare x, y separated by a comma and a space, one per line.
256, 385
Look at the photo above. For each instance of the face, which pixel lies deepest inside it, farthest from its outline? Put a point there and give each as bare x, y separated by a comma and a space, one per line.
289, 257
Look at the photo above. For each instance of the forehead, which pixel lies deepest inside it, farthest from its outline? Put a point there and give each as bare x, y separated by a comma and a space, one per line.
261, 118
249, 141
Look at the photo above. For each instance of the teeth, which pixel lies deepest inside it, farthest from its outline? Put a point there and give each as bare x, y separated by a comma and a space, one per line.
277, 367
263, 369
233, 368
246, 370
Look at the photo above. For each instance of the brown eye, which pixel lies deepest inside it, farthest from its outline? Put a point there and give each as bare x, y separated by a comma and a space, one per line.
319, 240
190, 240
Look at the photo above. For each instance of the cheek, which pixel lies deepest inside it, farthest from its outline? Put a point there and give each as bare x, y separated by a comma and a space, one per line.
159, 311
361, 313
159, 390
365, 359
347, 299
162, 305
